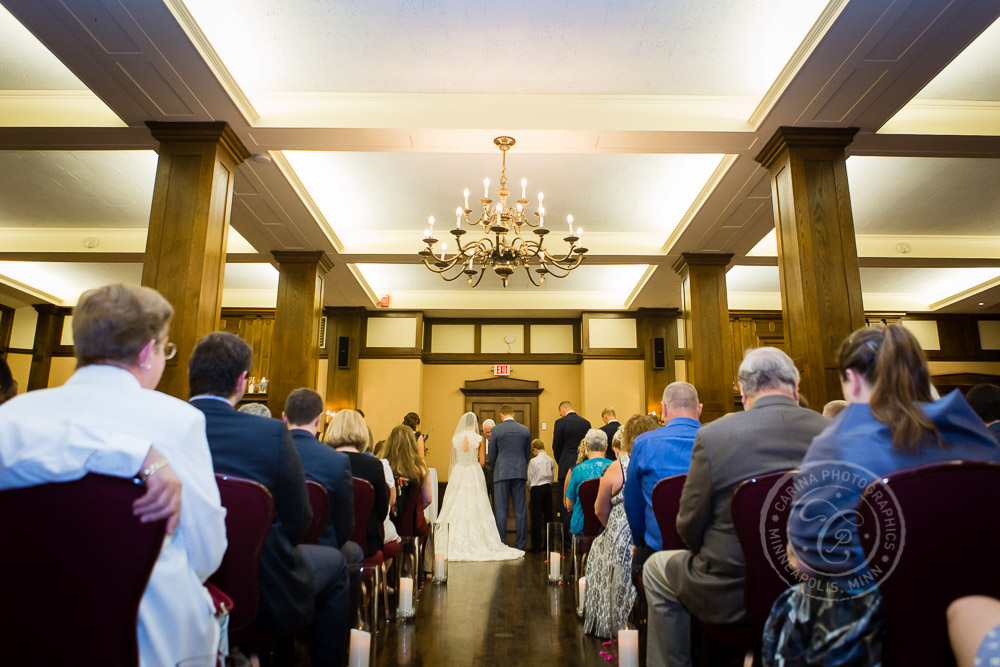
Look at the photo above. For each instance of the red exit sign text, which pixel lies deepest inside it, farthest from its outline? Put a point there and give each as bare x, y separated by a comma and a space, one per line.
501, 369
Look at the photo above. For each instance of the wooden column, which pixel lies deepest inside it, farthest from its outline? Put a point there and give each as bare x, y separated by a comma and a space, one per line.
188, 224
343, 343
295, 343
705, 308
817, 254
48, 332
657, 327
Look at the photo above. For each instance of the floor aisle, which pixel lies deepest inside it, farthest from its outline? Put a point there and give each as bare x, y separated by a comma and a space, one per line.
501, 613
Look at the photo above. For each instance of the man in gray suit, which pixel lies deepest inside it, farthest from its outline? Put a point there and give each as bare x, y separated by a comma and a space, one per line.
707, 579
509, 453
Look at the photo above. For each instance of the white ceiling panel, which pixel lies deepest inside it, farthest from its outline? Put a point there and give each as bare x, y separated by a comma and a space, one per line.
974, 75
76, 188
900, 195
707, 47
25, 64
361, 193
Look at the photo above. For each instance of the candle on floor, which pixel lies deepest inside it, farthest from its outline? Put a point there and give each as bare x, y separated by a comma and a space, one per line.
628, 648
555, 566
581, 585
406, 595
439, 564
361, 643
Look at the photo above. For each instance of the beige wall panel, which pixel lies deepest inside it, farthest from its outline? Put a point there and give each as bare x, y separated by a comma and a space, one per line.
22, 334
681, 333
67, 332
392, 332
552, 339
453, 338
989, 334
925, 331
387, 390
613, 333
20, 367
947, 367
493, 336
321, 378
61, 370
614, 382
444, 401
680, 370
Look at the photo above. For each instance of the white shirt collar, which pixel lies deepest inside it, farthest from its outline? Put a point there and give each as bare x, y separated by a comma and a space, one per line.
211, 396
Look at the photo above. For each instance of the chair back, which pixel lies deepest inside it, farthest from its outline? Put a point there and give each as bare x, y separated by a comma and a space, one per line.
587, 497
947, 548
73, 567
249, 514
666, 502
319, 502
763, 539
364, 501
406, 526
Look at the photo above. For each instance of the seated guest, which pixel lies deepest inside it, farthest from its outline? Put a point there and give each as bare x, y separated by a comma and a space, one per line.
655, 455
300, 584
541, 471
974, 629
8, 385
611, 426
834, 408
591, 468
107, 419
259, 409
348, 433
706, 580
410, 473
891, 424
985, 400
604, 615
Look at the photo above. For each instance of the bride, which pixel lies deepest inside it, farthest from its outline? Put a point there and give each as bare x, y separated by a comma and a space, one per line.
472, 530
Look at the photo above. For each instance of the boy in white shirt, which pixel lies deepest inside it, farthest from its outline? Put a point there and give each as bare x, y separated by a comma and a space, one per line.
541, 471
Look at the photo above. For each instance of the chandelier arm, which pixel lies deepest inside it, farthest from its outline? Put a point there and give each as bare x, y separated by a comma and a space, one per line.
482, 272
527, 270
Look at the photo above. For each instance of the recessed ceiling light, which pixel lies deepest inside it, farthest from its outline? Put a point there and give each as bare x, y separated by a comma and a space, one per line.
982, 303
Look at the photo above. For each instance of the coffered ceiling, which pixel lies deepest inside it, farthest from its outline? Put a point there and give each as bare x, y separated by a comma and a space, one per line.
641, 119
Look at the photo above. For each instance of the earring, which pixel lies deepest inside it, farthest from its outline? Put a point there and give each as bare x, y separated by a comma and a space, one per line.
146, 366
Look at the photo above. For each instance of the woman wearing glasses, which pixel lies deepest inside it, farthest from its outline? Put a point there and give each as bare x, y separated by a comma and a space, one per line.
108, 419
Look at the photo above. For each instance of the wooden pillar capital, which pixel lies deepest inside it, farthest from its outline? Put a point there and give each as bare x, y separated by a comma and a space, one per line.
214, 132
811, 139
689, 259
307, 258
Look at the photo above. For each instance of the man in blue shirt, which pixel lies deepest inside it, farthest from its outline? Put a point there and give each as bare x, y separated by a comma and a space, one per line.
655, 455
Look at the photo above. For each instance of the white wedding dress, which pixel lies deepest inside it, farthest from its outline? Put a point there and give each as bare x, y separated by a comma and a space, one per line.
472, 529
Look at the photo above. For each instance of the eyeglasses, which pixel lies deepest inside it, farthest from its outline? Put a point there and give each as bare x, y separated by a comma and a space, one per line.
169, 350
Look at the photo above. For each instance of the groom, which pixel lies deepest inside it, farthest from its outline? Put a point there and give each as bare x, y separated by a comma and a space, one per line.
509, 452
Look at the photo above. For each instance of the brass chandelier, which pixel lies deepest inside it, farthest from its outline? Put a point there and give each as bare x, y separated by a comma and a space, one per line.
502, 248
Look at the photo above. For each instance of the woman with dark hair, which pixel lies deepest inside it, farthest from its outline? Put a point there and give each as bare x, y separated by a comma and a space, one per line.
890, 424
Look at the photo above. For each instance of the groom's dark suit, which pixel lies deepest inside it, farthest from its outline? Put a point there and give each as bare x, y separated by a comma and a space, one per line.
509, 452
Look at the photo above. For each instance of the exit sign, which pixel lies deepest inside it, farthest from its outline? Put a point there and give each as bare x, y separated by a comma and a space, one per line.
501, 369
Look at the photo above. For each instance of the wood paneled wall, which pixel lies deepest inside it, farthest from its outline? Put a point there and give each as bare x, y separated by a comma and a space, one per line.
256, 327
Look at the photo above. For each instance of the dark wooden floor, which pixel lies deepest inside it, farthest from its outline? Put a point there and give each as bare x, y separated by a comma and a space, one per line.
491, 614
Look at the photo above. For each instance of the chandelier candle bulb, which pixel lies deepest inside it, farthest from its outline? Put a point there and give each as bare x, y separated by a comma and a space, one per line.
444, 246
569, 221
524, 188
486, 188
466, 198
458, 218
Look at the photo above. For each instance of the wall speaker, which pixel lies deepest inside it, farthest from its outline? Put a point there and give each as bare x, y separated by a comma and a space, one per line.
659, 353
343, 351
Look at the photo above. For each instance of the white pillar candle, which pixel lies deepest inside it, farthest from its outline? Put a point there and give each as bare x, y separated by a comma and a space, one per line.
361, 643
581, 585
555, 565
628, 648
406, 595
439, 562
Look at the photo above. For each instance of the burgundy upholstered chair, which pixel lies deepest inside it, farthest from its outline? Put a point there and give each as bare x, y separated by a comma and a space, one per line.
74, 566
592, 527
409, 538
319, 501
949, 548
249, 514
371, 567
666, 500
763, 539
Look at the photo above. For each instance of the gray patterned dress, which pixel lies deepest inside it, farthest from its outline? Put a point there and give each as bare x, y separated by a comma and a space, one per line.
604, 616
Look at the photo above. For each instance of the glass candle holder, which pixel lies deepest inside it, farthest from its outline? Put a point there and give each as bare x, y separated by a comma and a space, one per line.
440, 544
554, 551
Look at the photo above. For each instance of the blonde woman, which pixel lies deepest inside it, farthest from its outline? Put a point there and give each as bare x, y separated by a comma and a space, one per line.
410, 473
